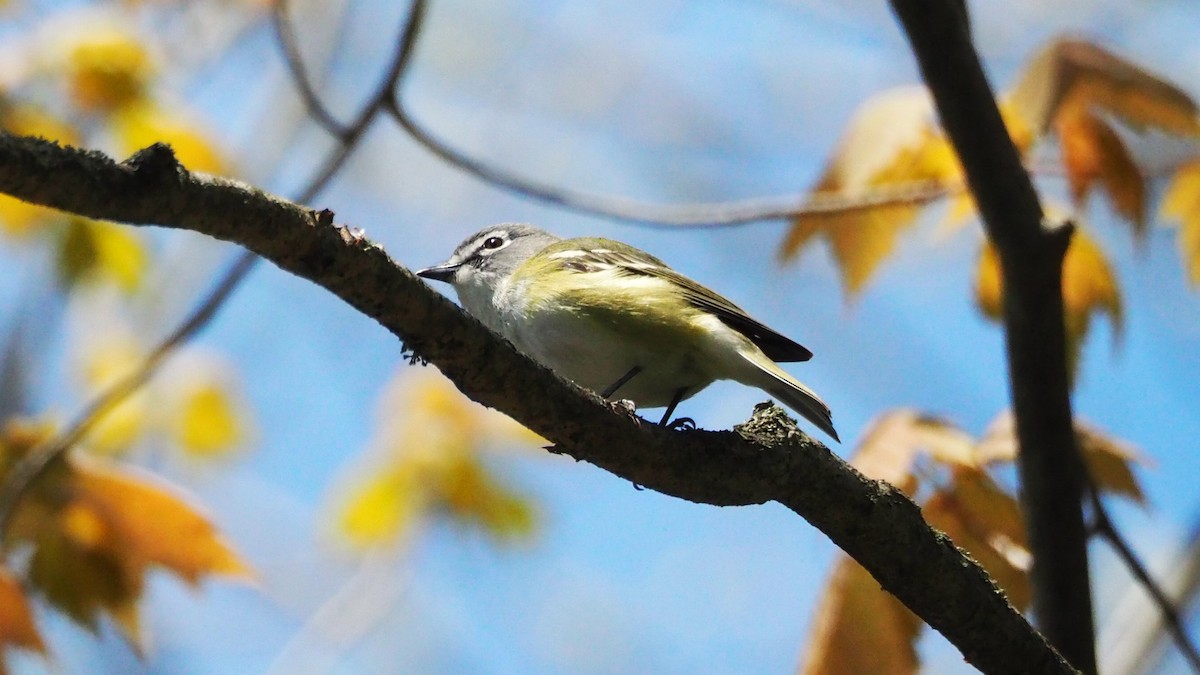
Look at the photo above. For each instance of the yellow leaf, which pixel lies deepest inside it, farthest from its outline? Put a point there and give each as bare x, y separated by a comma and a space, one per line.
209, 423
147, 524
434, 437
107, 70
989, 283
1074, 87
1089, 286
17, 628
1182, 202
891, 147
91, 250
470, 494
141, 125
381, 512
860, 628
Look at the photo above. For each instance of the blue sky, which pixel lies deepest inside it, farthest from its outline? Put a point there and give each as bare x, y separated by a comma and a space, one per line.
667, 102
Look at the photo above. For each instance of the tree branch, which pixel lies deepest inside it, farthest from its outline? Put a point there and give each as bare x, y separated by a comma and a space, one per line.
1031, 260
766, 459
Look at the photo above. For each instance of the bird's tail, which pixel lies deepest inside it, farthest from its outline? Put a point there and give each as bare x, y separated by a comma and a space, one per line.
776, 382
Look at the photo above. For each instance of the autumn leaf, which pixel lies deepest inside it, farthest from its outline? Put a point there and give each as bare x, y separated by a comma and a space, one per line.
1070, 74
985, 521
140, 125
1182, 203
209, 423
891, 147
1109, 460
108, 69
1075, 88
1092, 151
146, 523
92, 250
860, 628
95, 530
1089, 286
17, 628
892, 444
432, 440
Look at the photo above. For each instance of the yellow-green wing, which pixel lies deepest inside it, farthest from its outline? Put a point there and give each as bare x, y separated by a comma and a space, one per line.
595, 254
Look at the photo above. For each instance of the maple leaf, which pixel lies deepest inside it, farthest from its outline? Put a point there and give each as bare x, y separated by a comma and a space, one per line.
1074, 89
1182, 203
859, 628
96, 530
985, 521
17, 628
432, 441
891, 146
894, 441
1089, 286
1109, 460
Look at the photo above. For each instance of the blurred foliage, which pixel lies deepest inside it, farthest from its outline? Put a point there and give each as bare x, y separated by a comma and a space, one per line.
895, 160
428, 457
860, 628
88, 532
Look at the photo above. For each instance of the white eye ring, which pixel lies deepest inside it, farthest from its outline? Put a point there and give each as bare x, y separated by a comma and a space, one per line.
493, 242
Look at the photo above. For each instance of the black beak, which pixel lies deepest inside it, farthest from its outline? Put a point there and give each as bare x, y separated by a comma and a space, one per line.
444, 272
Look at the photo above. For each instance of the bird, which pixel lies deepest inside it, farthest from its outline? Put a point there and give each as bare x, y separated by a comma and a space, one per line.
617, 320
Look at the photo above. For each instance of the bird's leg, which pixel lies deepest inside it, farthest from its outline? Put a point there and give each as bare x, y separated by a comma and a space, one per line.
612, 388
682, 422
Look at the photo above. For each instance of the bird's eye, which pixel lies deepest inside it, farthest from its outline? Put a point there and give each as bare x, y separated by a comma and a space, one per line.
493, 242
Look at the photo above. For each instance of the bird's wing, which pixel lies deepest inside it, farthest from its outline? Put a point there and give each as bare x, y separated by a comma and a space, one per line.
600, 254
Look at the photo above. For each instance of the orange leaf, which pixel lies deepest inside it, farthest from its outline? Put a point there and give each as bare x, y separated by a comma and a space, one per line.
1092, 152
16, 618
956, 512
148, 524
1110, 461
1182, 202
893, 442
1076, 75
860, 628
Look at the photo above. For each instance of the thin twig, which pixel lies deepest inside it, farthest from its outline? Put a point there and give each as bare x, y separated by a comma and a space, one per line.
295, 64
1103, 526
713, 214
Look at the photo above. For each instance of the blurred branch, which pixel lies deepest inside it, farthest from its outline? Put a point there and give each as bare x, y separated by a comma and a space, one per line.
714, 214
1031, 258
767, 459
1104, 526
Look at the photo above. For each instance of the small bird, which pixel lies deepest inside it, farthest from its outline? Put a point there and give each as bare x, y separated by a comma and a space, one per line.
615, 319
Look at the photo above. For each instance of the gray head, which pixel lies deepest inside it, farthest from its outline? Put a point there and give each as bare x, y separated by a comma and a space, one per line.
489, 255
483, 260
